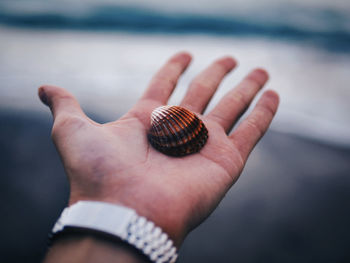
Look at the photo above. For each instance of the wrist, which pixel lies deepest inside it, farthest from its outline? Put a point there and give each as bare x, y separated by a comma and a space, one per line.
117, 222
164, 216
84, 247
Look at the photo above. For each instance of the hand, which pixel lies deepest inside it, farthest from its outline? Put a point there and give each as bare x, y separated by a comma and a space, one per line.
114, 162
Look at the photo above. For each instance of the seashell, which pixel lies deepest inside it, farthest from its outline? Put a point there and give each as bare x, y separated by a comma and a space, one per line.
176, 131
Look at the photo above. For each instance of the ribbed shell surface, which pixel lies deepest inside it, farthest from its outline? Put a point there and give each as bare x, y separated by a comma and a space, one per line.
176, 131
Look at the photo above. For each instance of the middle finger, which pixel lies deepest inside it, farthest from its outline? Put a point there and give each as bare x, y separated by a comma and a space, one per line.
205, 84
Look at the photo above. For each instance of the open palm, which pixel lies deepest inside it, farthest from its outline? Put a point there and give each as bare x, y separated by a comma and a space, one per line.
114, 162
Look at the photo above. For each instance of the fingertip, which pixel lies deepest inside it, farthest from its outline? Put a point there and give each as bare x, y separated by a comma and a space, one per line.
259, 75
43, 96
271, 100
182, 56
47, 92
273, 95
185, 53
228, 62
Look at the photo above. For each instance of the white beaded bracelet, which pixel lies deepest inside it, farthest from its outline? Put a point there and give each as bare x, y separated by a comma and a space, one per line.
122, 222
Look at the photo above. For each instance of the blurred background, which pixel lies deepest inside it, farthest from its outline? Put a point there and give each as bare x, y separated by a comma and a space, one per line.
291, 203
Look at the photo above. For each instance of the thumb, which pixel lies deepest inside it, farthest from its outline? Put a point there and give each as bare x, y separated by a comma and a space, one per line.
60, 101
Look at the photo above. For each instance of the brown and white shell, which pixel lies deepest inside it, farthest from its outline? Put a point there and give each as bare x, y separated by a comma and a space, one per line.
176, 131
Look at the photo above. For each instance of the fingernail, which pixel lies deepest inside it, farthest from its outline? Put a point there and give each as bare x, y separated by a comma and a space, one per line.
43, 96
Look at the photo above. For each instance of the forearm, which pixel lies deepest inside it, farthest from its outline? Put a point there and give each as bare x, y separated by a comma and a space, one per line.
87, 248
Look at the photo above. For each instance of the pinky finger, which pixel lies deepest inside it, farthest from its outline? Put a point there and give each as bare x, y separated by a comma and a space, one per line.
250, 131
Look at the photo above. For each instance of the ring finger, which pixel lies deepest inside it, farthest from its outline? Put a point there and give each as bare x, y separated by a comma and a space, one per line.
236, 101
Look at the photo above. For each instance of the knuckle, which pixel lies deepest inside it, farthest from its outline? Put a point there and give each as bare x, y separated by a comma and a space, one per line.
160, 82
201, 86
256, 126
238, 98
269, 110
265, 111
251, 83
220, 118
62, 96
66, 124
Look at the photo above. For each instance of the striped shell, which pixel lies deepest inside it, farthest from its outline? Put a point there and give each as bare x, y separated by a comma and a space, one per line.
176, 131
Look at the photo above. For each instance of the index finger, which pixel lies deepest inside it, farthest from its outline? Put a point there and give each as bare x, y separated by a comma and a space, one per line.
165, 80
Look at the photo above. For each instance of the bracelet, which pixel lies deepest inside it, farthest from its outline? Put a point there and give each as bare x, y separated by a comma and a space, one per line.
122, 222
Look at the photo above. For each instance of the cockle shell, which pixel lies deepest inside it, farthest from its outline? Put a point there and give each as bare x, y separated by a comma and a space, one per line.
176, 131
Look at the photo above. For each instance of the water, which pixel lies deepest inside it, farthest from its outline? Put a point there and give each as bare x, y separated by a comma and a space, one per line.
105, 53
317, 24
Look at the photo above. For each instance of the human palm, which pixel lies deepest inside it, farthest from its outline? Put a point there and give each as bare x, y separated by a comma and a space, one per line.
114, 162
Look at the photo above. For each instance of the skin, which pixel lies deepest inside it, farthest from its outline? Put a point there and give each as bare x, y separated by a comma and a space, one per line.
113, 162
